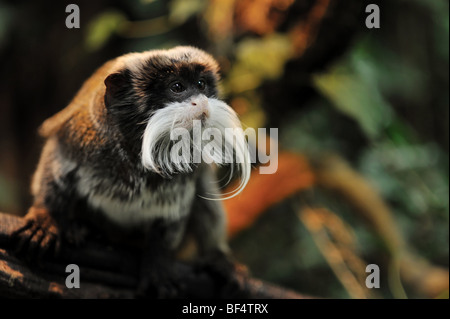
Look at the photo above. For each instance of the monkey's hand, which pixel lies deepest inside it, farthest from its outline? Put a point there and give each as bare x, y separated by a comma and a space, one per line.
39, 235
158, 278
223, 269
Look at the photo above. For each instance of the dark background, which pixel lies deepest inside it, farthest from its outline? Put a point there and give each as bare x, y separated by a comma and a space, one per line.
376, 99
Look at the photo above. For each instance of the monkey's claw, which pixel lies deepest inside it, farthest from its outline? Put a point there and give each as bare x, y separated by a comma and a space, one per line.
224, 271
38, 237
161, 287
159, 280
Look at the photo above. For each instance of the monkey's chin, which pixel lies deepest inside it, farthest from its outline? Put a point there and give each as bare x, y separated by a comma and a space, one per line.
180, 136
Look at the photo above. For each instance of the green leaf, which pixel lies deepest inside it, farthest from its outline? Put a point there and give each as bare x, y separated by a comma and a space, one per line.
258, 59
355, 97
102, 27
182, 10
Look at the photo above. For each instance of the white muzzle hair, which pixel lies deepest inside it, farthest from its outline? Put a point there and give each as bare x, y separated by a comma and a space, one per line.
210, 132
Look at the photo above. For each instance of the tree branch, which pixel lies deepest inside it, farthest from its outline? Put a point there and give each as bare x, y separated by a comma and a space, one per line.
105, 272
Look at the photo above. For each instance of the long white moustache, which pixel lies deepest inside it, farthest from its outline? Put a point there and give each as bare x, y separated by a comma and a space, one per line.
160, 155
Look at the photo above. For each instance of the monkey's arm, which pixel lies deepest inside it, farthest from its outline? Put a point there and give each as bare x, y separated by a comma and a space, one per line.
207, 218
53, 190
208, 226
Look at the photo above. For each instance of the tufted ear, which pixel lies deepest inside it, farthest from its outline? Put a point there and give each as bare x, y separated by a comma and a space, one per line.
118, 87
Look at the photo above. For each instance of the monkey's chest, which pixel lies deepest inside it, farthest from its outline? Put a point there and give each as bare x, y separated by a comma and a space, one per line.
132, 207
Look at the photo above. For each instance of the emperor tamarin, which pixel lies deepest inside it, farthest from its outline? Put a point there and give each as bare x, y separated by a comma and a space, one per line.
108, 160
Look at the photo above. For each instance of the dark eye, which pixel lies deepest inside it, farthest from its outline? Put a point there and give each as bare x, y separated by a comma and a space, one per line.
177, 87
201, 85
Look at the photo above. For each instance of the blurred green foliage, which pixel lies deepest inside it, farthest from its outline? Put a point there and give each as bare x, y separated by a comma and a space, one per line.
383, 105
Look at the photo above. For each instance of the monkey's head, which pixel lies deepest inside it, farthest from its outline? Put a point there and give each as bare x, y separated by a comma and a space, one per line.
164, 103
